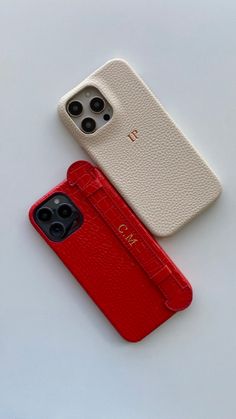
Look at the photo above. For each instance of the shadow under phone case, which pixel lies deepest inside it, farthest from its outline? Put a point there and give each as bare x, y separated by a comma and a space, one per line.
114, 257
160, 174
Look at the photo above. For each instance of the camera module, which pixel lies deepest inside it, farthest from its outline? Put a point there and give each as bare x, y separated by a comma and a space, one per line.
97, 104
75, 108
88, 125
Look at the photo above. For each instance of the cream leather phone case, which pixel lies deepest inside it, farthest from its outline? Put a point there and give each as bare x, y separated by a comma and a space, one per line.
140, 149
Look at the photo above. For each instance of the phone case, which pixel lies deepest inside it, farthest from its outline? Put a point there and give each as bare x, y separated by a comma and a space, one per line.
115, 258
142, 152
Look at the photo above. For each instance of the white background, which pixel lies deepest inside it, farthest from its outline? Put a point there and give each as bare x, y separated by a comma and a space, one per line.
59, 357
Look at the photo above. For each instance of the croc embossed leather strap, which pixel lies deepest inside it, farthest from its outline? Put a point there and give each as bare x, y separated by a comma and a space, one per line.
174, 288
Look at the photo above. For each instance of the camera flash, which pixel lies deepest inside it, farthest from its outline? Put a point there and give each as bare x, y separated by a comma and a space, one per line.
87, 94
56, 201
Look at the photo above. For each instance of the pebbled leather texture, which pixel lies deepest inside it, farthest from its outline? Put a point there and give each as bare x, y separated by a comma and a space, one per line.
160, 175
114, 257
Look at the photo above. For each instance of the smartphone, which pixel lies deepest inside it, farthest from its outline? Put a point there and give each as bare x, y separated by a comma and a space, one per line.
110, 252
127, 133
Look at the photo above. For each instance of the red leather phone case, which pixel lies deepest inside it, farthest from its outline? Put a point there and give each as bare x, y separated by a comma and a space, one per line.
115, 258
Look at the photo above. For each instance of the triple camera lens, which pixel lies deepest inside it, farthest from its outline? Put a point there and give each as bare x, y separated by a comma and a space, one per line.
58, 217
88, 124
57, 230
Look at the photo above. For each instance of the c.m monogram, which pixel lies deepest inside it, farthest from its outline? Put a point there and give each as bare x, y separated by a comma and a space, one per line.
129, 237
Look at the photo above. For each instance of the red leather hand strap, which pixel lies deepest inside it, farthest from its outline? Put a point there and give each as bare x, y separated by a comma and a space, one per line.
175, 291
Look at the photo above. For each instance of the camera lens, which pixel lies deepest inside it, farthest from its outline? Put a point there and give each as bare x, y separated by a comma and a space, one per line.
65, 211
97, 104
75, 108
44, 214
88, 125
57, 230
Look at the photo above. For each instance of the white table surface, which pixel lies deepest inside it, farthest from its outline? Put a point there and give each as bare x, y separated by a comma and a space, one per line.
59, 357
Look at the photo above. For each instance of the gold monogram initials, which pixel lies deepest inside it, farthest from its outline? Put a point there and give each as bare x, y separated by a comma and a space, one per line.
129, 237
133, 135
